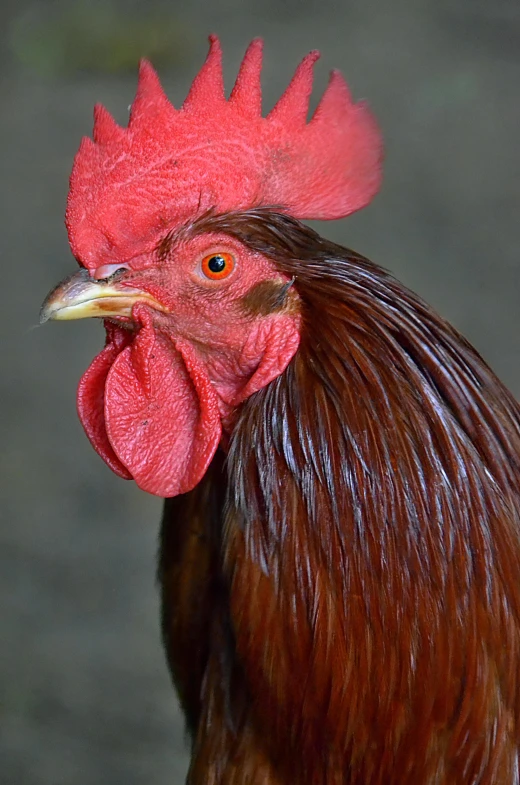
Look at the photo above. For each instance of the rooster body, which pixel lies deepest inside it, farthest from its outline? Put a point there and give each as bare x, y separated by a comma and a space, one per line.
340, 546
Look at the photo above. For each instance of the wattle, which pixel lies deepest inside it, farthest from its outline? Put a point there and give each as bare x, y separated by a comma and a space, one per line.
150, 411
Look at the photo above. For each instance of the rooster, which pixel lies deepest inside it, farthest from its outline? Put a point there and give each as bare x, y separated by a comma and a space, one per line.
340, 546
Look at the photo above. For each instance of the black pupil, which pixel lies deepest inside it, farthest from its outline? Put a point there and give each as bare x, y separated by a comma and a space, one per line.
216, 264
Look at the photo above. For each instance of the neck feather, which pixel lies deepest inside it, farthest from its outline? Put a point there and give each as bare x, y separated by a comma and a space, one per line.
390, 430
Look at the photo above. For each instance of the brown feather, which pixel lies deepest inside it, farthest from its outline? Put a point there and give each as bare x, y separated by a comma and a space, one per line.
191, 585
370, 540
199, 640
269, 297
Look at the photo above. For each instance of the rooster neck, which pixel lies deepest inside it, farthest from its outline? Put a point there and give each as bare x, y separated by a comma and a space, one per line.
357, 616
384, 403
372, 530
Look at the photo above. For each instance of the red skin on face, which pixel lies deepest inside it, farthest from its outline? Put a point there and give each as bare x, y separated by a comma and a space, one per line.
155, 401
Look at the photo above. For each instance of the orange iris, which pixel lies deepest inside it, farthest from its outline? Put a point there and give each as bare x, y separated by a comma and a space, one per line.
217, 266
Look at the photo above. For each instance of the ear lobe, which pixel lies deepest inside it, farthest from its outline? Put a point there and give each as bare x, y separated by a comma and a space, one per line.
279, 347
161, 414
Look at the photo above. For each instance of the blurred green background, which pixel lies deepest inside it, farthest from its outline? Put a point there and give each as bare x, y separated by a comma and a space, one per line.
84, 692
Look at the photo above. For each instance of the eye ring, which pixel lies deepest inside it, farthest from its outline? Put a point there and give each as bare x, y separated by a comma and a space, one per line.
218, 266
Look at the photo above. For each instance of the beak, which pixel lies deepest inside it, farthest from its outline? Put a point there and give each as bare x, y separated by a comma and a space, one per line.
81, 297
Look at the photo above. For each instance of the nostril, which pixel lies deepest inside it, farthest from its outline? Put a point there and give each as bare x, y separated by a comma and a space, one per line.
107, 270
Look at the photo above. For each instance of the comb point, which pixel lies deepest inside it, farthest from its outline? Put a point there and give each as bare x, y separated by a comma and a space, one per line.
293, 104
335, 99
207, 89
247, 92
105, 127
87, 146
150, 98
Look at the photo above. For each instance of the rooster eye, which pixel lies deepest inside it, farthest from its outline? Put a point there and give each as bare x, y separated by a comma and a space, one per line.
217, 266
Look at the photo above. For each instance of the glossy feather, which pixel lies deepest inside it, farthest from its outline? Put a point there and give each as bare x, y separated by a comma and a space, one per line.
366, 629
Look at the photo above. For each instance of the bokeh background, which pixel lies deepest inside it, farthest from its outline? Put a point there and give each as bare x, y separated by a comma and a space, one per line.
84, 692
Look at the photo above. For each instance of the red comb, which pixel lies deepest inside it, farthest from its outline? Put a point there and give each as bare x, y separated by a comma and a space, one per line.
130, 183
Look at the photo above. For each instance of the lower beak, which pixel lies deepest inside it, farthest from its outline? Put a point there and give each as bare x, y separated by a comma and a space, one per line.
81, 297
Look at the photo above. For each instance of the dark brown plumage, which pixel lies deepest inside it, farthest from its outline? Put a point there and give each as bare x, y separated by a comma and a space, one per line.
341, 593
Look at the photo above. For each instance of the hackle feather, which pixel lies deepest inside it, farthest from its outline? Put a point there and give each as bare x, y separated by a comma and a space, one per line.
369, 545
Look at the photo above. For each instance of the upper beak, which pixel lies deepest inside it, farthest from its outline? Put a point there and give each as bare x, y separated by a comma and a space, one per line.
80, 297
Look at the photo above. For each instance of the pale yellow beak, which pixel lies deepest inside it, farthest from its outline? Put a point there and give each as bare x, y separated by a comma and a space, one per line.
81, 297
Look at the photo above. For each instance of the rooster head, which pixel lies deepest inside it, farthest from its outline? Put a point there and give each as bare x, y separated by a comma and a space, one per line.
195, 320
